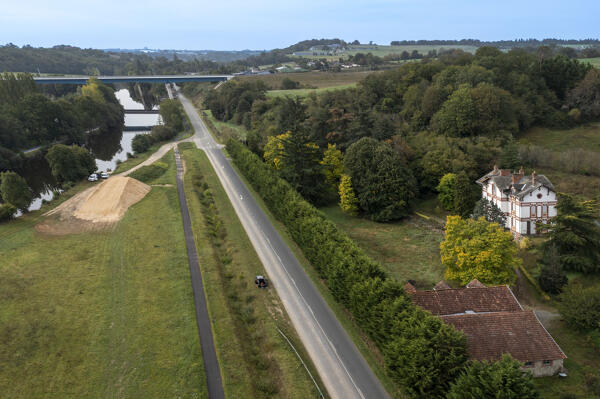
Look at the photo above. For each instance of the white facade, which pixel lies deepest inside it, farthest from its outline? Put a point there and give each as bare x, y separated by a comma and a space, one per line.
525, 200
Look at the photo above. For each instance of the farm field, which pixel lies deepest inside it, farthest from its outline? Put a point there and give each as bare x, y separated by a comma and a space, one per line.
311, 79
306, 92
255, 360
408, 250
383, 50
100, 314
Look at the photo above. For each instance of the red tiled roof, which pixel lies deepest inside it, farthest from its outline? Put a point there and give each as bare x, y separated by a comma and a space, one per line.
453, 301
489, 335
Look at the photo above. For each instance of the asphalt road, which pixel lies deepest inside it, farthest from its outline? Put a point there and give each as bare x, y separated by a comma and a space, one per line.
209, 355
342, 368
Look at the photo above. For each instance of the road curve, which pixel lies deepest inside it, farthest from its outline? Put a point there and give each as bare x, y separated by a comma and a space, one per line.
209, 355
342, 368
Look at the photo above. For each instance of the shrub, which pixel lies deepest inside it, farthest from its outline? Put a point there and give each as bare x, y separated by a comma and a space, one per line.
503, 379
14, 190
421, 353
580, 307
7, 211
149, 173
552, 278
141, 143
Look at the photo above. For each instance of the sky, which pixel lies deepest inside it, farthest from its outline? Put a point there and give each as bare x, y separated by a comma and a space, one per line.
267, 24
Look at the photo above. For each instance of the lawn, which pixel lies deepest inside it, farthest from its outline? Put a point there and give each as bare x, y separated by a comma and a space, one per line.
225, 128
255, 359
408, 249
310, 79
104, 314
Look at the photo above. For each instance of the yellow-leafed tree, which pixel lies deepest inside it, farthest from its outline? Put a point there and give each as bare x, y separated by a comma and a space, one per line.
348, 200
478, 249
333, 165
274, 150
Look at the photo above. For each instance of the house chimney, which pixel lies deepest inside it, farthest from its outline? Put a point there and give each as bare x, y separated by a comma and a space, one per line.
533, 178
515, 178
495, 169
521, 171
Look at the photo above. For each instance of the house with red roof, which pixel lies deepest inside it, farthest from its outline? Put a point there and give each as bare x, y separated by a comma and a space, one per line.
494, 323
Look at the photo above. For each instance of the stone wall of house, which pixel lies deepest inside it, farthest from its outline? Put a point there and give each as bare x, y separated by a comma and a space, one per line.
539, 369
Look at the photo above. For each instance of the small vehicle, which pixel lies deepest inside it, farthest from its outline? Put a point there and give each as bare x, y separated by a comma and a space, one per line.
104, 175
261, 282
93, 177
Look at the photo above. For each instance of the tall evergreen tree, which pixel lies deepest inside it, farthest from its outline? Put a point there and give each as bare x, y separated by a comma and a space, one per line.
488, 210
576, 235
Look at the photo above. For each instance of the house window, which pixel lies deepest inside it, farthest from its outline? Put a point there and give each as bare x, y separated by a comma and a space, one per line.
547, 362
539, 195
544, 210
532, 211
528, 364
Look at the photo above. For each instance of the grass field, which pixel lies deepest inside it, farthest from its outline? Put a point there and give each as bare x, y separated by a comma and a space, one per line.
586, 137
407, 249
311, 79
255, 359
593, 61
96, 315
306, 92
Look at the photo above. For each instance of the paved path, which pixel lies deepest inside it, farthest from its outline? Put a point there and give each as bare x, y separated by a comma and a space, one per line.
342, 368
209, 355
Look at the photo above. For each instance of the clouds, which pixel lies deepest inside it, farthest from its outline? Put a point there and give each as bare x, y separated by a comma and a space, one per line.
237, 24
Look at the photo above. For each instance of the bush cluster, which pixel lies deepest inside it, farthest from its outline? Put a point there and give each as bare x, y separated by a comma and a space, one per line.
150, 172
421, 354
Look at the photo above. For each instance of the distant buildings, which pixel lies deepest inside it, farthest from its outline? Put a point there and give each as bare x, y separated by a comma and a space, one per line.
494, 323
525, 200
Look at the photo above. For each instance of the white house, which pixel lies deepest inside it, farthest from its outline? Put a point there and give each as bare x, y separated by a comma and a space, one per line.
525, 200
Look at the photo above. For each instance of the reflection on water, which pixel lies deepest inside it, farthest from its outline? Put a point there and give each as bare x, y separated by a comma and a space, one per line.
107, 147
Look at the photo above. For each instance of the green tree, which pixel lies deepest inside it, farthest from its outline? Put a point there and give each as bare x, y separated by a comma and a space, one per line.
348, 201
70, 163
457, 193
7, 211
289, 84
141, 143
575, 234
15, 191
171, 113
580, 307
384, 186
502, 380
447, 191
478, 249
489, 210
333, 165
552, 277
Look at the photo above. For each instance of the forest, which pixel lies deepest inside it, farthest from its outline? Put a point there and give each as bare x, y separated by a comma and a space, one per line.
400, 131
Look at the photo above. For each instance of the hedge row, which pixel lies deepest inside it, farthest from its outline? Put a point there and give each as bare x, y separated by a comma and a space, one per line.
422, 354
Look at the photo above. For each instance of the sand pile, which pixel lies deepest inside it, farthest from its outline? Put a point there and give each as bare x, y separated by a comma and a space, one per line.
97, 207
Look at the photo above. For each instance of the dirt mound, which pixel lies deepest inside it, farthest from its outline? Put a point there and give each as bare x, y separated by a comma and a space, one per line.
95, 208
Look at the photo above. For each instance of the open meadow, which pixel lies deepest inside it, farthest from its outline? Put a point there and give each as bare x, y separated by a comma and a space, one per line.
100, 314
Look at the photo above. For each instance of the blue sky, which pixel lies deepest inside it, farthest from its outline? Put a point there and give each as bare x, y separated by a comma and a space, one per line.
256, 24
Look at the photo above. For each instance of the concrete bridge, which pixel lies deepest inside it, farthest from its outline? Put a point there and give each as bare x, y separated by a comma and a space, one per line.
81, 80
